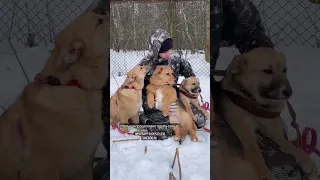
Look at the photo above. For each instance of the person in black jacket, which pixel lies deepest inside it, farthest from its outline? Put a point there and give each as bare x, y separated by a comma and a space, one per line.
161, 52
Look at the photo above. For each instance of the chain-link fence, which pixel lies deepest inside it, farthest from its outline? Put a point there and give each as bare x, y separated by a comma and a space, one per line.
291, 22
33, 22
133, 21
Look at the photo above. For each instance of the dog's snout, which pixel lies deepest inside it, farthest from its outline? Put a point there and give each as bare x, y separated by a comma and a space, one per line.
287, 92
196, 90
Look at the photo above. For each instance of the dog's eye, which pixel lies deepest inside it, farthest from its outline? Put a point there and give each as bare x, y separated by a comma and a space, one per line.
268, 71
141, 68
168, 74
100, 21
285, 70
194, 84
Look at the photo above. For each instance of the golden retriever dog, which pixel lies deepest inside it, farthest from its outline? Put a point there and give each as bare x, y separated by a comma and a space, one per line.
51, 132
127, 101
255, 90
161, 90
189, 93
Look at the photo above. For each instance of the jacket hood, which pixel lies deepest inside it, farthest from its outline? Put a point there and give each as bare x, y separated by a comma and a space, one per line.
156, 39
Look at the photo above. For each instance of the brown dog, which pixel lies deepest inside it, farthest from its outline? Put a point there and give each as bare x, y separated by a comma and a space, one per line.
161, 90
51, 132
127, 101
255, 91
189, 93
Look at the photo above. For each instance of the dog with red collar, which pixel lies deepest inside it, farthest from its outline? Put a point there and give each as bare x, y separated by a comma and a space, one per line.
127, 101
189, 93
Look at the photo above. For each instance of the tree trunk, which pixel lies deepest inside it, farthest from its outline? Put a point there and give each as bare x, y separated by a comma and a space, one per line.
207, 46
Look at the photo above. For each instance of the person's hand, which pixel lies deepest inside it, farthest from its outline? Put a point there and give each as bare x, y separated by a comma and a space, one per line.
158, 105
173, 108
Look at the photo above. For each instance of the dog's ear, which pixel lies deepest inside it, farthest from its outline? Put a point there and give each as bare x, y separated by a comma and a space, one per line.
158, 69
283, 56
184, 82
132, 77
237, 65
72, 51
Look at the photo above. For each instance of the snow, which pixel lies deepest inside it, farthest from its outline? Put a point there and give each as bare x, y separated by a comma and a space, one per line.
128, 160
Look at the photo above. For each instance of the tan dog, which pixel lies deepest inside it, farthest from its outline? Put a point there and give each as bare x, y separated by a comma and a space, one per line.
127, 101
161, 90
51, 132
189, 93
255, 90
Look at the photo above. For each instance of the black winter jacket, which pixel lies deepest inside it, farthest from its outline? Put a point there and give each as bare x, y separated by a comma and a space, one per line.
237, 22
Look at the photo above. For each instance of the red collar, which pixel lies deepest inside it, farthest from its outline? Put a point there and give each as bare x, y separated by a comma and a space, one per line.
188, 94
251, 106
73, 82
127, 87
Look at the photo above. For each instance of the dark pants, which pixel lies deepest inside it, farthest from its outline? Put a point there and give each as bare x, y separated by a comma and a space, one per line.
156, 118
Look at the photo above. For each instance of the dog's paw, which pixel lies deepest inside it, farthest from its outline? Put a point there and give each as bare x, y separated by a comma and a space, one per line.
194, 118
206, 114
165, 114
310, 169
194, 139
151, 104
124, 130
176, 138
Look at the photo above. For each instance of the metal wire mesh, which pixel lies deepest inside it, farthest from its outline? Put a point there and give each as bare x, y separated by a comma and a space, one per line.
133, 21
291, 22
33, 22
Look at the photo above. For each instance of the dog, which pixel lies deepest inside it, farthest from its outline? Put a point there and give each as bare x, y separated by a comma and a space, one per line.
189, 93
255, 91
130, 91
52, 132
161, 90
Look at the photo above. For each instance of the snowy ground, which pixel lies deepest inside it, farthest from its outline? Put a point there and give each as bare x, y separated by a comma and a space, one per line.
128, 160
